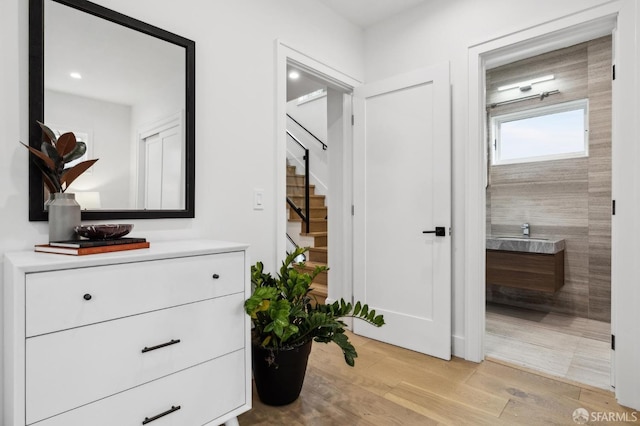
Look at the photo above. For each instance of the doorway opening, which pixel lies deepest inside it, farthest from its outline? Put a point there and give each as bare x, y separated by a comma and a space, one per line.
548, 267
513, 49
308, 172
314, 168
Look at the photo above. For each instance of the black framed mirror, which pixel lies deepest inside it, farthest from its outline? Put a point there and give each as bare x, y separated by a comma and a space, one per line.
127, 89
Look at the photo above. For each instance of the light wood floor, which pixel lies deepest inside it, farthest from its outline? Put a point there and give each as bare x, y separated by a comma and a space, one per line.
394, 386
560, 345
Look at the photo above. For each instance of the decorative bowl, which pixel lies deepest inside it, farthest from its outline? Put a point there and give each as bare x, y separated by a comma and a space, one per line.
104, 232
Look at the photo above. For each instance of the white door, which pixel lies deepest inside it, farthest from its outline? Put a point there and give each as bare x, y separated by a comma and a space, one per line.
172, 169
402, 188
164, 173
153, 175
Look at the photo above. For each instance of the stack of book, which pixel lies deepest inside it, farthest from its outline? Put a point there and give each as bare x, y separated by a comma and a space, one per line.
83, 247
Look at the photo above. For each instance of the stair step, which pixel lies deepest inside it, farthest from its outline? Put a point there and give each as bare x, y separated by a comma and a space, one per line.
321, 278
299, 190
318, 230
312, 265
316, 212
296, 218
299, 185
319, 238
315, 224
295, 180
318, 254
314, 200
319, 292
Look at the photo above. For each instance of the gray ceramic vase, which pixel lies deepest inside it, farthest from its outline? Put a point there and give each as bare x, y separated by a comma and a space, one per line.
64, 216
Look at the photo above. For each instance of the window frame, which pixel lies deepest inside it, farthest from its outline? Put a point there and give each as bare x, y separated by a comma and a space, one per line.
498, 120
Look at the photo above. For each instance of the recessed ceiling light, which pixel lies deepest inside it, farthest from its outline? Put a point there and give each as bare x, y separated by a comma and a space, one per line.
75, 75
294, 75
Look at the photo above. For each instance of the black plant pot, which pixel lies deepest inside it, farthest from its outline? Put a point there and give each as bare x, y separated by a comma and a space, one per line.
279, 374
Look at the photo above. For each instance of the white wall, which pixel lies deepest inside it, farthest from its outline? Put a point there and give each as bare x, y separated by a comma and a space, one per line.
444, 31
313, 116
109, 128
235, 110
167, 100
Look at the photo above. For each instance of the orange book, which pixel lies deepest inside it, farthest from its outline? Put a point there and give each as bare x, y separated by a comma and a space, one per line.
46, 248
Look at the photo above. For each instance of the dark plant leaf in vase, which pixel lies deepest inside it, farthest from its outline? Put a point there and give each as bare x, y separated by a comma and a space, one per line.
47, 133
51, 151
48, 161
71, 174
66, 143
54, 154
78, 151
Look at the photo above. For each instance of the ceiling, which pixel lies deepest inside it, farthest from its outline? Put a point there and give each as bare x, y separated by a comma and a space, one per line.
304, 84
117, 64
362, 13
365, 13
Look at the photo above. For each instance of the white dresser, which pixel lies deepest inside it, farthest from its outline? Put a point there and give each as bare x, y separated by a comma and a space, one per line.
152, 337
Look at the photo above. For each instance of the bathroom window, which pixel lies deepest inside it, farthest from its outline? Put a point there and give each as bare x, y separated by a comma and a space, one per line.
547, 133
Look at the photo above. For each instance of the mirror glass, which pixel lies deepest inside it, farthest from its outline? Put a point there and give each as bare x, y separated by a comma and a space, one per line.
122, 87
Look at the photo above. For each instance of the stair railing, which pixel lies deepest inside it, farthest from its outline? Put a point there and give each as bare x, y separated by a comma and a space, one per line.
324, 145
292, 242
305, 216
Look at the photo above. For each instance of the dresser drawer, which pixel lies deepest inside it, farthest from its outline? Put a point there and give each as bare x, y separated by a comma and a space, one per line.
203, 393
57, 300
77, 366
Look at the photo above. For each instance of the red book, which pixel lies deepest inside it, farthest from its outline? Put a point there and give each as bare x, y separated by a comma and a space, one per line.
81, 251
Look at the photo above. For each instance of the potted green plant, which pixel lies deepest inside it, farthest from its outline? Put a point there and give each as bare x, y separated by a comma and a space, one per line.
286, 322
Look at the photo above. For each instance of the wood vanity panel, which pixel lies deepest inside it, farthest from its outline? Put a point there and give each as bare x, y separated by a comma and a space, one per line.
530, 271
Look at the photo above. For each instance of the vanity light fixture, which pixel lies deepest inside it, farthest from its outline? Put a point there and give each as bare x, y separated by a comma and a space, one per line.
526, 85
75, 75
294, 75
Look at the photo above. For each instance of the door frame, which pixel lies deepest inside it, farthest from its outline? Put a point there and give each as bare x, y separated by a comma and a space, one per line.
339, 248
619, 15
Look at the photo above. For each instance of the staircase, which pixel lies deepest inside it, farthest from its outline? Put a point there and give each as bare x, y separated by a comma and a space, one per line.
317, 235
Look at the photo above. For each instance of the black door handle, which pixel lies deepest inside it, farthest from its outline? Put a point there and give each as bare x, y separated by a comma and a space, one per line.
439, 231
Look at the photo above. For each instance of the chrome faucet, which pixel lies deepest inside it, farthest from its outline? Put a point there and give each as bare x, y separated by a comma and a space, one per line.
525, 230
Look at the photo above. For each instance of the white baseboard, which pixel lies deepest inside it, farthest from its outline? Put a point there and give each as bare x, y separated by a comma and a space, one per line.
458, 346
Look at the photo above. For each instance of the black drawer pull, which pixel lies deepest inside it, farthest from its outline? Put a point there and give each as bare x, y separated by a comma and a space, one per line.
87, 296
162, 345
156, 417
215, 276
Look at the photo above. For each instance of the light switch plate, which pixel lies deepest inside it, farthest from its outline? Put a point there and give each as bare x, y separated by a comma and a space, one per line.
258, 199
